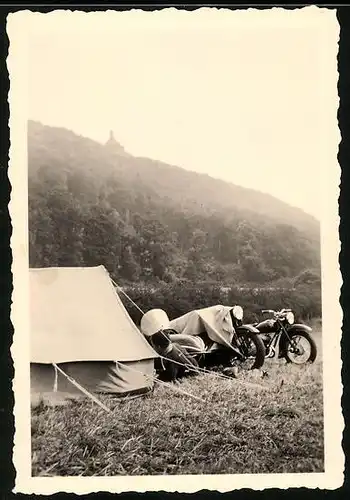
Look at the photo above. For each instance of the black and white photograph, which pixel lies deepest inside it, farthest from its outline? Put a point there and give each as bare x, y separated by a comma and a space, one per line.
175, 245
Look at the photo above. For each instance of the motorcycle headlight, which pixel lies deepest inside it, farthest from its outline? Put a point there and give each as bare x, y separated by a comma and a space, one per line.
238, 312
290, 318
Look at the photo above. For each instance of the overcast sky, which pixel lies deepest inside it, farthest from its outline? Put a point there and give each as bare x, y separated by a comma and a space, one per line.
243, 97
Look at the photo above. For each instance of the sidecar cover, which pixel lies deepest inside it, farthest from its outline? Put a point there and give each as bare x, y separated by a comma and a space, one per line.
215, 321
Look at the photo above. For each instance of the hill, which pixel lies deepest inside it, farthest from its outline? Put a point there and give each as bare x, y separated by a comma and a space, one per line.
145, 220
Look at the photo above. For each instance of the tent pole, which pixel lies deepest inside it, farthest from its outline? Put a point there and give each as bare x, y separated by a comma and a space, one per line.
87, 393
55, 385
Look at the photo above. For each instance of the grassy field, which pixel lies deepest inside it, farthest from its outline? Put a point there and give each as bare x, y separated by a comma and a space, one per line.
250, 424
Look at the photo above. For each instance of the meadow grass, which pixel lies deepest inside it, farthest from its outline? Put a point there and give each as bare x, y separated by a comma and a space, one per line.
246, 425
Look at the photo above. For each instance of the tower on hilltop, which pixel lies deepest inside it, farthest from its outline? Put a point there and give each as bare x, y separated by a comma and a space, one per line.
111, 140
113, 145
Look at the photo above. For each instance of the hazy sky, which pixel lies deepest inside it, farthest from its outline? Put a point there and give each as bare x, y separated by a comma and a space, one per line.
247, 98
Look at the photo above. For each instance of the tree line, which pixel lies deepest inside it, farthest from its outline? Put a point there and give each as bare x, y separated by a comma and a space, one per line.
74, 221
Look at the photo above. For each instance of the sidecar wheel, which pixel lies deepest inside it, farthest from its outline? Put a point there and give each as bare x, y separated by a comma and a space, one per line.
306, 349
251, 340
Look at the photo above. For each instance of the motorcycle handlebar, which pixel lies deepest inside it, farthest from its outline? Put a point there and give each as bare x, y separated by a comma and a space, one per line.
271, 311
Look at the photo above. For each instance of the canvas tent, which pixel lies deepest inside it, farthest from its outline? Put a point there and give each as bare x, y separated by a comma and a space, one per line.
78, 322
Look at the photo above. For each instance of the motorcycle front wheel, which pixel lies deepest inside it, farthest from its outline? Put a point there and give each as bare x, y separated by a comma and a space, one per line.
300, 349
253, 350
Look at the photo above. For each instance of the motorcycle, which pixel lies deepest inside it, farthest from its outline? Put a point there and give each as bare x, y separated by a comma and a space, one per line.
246, 348
284, 338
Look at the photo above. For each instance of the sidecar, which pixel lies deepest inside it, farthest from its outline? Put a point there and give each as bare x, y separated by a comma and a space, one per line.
205, 335
177, 357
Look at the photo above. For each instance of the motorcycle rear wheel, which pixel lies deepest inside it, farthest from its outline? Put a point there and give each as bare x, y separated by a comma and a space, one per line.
291, 354
250, 340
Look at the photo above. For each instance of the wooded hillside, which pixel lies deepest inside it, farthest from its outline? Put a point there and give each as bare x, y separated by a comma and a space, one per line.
92, 204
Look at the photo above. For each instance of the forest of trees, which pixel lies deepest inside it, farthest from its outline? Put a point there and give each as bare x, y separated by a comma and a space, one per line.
91, 205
